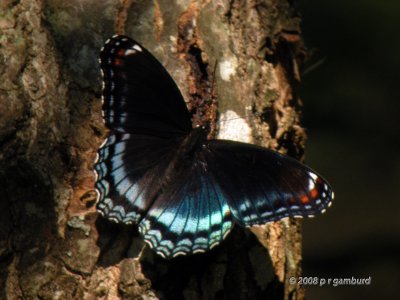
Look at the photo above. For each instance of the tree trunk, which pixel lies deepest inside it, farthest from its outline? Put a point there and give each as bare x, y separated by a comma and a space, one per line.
53, 245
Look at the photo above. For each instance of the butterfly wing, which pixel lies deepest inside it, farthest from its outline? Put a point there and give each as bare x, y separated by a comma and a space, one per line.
192, 215
139, 95
262, 185
147, 118
129, 167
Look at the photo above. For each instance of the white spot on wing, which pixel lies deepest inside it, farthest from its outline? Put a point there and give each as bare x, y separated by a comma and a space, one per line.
312, 175
137, 47
199, 251
311, 184
130, 52
103, 143
281, 209
97, 193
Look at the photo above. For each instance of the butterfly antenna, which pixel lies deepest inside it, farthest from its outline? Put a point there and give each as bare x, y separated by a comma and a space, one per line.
314, 66
212, 106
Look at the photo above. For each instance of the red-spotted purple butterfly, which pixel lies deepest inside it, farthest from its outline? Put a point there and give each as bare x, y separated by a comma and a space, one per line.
185, 192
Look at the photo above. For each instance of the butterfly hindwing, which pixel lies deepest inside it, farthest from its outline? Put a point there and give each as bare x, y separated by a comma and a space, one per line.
128, 170
191, 216
262, 185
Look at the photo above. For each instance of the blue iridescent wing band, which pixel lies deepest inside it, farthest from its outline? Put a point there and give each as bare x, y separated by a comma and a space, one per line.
128, 169
192, 216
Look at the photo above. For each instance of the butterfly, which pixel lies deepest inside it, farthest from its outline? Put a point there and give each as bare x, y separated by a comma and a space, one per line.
185, 192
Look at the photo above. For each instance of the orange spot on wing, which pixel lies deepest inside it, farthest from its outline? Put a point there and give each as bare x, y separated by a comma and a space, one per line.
304, 199
117, 62
314, 193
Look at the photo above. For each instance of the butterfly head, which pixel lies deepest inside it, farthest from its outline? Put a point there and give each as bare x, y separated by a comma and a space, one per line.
205, 127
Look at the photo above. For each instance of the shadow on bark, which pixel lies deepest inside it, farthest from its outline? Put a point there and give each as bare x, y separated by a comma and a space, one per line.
27, 220
236, 269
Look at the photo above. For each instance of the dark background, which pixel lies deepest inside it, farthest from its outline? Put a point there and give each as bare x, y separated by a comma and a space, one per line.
351, 113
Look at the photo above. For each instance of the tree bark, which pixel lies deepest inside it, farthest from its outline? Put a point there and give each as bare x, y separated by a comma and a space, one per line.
53, 245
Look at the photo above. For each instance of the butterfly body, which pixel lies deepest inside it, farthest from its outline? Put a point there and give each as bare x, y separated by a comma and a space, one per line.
195, 141
185, 191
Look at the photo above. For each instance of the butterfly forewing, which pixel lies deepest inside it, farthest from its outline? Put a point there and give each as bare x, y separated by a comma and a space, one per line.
139, 95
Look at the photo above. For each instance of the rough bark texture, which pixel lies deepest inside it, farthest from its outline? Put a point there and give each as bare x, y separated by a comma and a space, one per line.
52, 243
